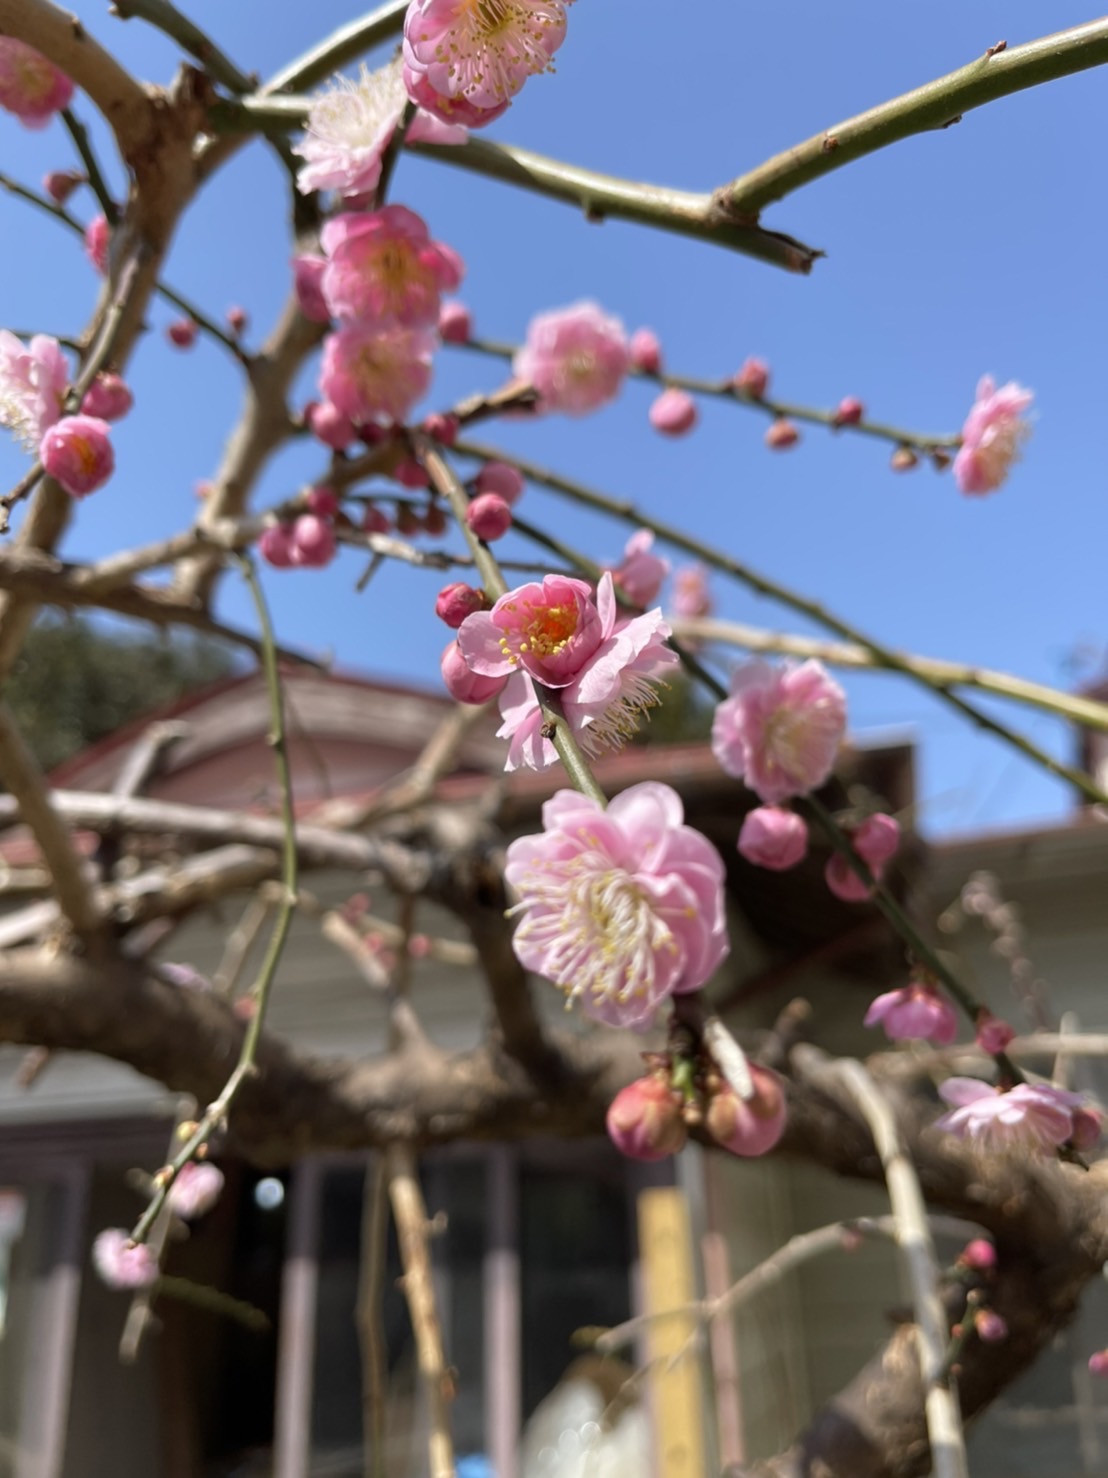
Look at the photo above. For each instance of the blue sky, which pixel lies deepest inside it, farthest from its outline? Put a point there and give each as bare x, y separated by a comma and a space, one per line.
975, 249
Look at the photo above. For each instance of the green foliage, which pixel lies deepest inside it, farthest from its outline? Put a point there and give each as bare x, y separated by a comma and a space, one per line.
77, 681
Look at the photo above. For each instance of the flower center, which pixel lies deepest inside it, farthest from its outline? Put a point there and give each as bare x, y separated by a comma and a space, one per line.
544, 631
599, 932
494, 45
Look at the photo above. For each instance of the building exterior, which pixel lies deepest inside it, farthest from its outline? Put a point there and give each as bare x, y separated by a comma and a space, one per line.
540, 1238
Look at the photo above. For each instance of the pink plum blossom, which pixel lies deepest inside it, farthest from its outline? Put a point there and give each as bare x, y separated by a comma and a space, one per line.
877, 839
992, 1034
98, 238
691, 596
639, 574
1087, 1126
349, 127
383, 269
313, 541
645, 352
489, 516
1031, 1116
781, 434
33, 382
993, 436
276, 547
781, 728
773, 838
195, 1189
753, 378
31, 86
503, 479
749, 1126
462, 682
576, 358
121, 1264
108, 397
482, 53
77, 453
915, 1012
60, 184
645, 1120
307, 283
455, 323
457, 601
373, 376
329, 425
548, 630
454, 112
674, 412
622, 907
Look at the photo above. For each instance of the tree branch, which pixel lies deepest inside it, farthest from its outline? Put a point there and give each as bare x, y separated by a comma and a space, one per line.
935, 105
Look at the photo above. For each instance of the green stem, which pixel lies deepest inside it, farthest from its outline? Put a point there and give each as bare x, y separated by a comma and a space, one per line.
216, 1113
555, 726
203, 1296
883, 656
935, 105
79, 134
346, 44
774, 409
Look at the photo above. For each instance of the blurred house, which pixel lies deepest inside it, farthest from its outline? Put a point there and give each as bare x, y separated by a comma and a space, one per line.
541, 1238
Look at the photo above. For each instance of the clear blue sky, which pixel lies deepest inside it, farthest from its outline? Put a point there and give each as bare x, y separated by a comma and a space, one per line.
975, 249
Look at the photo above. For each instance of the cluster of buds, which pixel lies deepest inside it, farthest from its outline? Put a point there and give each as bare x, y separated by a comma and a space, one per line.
650, 1119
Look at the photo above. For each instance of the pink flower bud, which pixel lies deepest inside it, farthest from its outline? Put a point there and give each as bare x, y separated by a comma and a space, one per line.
307, 279
461, 683
844, 882
489, 516
992, 1034
979, 1255
182, 333
60, 184
503, 479
774, 838
645, 352
455, 323
237, 319
645, 1120
375, 520
442, 428
98, 237
324, 501
903, 459
751, 1126
31, 86
850, 411
410, 474
328, 424
456, 602
77, 453
781, 435
434, 521
1098, 1363
877, 839
313, 542
276, 547
107, 398
121, 1264
674, 412
1086, 1129
990, 1327
195, 1190
753, 378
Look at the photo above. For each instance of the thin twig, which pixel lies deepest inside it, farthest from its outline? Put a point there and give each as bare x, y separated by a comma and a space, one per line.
190, 37
368, 1315
79, 134
935, 105
216, 1114
913, 1236
410, 1215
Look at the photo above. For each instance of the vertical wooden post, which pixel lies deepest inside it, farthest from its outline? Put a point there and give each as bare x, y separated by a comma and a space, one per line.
665, 1245
292, 1443
503, 1352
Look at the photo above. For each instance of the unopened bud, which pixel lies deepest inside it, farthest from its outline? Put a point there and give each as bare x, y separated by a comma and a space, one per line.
849, 411
456, 602
903, 459
753, 378
781, 435
489, 516
644, 351
645, 1120
674, 412
749, 1126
